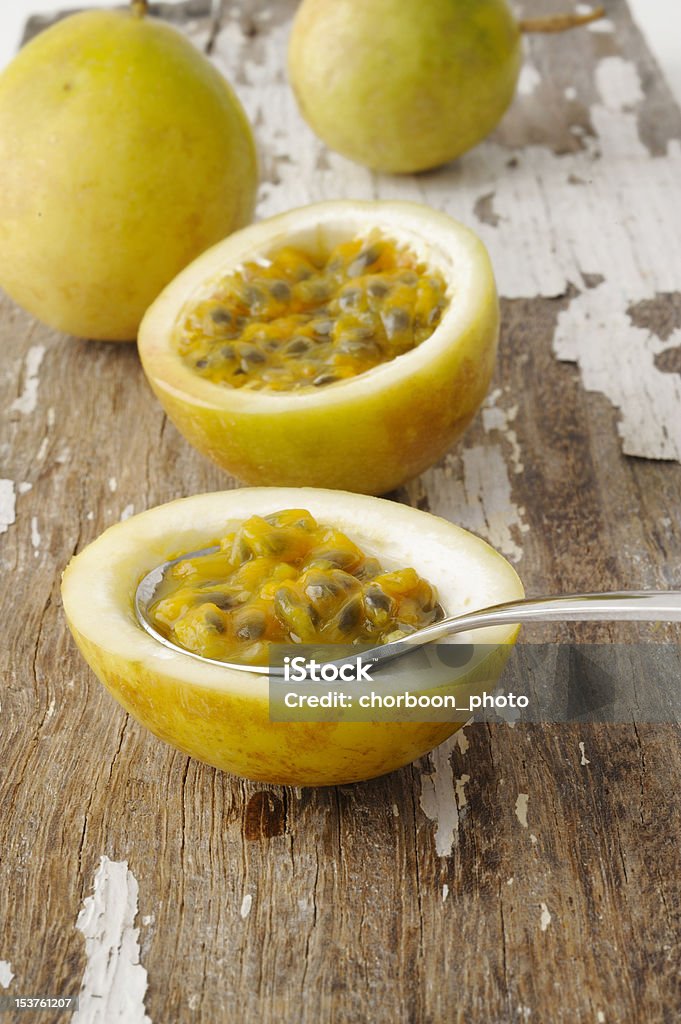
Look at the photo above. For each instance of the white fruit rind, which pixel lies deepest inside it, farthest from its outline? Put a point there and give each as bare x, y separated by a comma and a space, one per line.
438, 241
99, 584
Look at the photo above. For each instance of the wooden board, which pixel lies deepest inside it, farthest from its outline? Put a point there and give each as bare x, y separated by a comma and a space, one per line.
523, 874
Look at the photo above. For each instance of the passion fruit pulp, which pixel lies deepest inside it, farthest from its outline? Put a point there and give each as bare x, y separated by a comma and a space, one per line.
281, 579
220, 715
390, 415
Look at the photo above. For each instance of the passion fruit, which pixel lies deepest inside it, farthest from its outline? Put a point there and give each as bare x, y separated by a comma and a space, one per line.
345, 344
123, 155
220, 715
402, 85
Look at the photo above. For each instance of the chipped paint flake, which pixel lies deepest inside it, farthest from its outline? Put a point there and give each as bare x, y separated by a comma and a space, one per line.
28, 399
461, 740
35, 535
8, 505
521, 803
485, 499
24, 487
113, 484
545, 917
445, 892
460, 790
438, 799
396, 811
114, 982
6, 973
246, 904
584, 760
596, 332
128, 511
529, 79
600, 1017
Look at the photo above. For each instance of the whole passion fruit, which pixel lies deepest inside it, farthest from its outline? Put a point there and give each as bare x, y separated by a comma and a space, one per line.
221, 715
345, 344
403, 85
123, 154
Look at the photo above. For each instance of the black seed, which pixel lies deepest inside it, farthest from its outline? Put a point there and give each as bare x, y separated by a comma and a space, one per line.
222, 601
377, 600
396, 320
239, 372
252, 629
325, 378
280, 290
298, 346
252, 355
322, 328
434, 316
349, 298
409, 277
378, 289
215, 622
227, 352
201, 364
220, 316
350, 616
365, 258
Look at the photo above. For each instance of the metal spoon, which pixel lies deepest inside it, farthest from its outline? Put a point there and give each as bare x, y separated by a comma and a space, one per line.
633, 605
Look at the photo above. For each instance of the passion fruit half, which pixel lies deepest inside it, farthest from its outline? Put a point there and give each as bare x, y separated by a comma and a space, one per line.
220, 715
344, 344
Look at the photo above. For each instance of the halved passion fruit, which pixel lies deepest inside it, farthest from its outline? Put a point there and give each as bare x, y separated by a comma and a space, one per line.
345, 344
341, 547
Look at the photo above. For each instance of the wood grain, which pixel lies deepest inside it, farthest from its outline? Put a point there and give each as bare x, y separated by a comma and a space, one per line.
525, 874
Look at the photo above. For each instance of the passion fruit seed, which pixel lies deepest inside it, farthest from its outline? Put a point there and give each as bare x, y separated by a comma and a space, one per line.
290, 321
285, 578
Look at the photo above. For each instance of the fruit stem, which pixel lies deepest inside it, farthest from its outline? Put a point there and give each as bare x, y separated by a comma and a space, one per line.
139, 7
560, 22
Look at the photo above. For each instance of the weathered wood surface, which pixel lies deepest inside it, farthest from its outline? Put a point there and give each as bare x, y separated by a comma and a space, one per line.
526, 874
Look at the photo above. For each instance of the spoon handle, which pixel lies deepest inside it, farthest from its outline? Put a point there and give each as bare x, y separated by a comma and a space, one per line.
643, 605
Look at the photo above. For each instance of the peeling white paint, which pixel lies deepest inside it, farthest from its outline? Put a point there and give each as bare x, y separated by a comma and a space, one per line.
529, 79
460, 790
396, 811
521, 808
6, 973
484, 497
570, 93
148, 919
545, 917
51, 417
128, 511
584, 760
193, 1001
438, 799
35, 535
596, 332
24, 487
510, 881
8, 505
28, 399
246, 904
113, 484
462, 740
524, 1012
445, 892
600, 1017
114, 982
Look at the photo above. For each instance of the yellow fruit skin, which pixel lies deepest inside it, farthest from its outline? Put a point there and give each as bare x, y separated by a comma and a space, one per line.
404, 85
235, 733
123, 154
